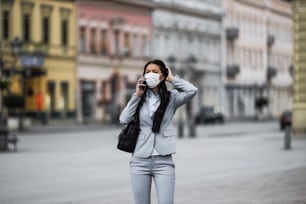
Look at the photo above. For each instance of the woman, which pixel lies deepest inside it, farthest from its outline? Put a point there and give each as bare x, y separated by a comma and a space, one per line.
152, 157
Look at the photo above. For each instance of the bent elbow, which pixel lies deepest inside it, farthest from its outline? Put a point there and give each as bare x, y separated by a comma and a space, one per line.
195, 91
122, 120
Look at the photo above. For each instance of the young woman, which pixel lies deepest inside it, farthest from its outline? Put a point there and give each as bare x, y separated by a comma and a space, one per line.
152, 157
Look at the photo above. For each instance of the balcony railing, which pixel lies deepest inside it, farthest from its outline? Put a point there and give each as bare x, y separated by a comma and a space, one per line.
271, 72
270, 40
232, 70
232, 33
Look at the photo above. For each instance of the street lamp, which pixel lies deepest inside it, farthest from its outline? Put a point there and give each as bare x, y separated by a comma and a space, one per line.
4, 83
172, 60
271, 71
5, 137
191, 61
3, 125
16, 46
16, 50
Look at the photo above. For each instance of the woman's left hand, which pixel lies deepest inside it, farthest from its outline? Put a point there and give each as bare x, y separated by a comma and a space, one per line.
170, 75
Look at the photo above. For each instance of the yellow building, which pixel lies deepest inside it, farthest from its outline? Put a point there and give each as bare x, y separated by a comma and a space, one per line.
299, 107
45, 69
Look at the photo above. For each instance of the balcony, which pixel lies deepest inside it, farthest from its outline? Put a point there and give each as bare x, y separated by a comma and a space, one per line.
232, 70
232, 33
117, 22
291, 70
271, 72
270, 40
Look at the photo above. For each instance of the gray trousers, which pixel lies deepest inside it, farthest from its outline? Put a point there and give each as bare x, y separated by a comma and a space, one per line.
159, 168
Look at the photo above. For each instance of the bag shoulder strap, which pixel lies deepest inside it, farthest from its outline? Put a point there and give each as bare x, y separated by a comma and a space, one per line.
136, 114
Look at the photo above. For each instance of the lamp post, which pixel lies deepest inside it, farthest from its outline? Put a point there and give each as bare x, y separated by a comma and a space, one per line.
5, 136
16, 46
180, 124
3, 124
191, 61
3, 86
271, 71
16, 50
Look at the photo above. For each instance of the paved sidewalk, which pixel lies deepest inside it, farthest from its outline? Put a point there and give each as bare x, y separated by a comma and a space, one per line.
241, 163
62, 126
230, 128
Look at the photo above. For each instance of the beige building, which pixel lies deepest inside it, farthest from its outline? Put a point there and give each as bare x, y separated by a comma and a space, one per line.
258, 57
299, 107
45, 66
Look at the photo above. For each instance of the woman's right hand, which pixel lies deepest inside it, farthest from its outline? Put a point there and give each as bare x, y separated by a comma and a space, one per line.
140, 87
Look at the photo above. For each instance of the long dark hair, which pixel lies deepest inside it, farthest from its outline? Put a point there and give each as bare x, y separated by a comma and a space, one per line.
163, 93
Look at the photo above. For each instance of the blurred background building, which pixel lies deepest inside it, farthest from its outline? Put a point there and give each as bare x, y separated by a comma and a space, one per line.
38, 45
114, 44
299, 108
81, 59
258, 58
188, 36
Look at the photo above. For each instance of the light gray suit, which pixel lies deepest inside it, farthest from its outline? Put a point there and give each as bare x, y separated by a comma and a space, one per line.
144, 166
164, 141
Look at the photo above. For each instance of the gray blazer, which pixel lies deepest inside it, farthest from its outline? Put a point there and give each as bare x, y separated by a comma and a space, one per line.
164, 141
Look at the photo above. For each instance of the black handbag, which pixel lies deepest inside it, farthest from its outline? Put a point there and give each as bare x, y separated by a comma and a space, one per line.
128, 136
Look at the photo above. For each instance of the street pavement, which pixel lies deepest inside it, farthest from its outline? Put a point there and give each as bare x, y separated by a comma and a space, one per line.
235, 163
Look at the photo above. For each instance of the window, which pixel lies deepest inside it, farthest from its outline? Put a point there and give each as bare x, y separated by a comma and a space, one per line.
64, 97
243, 57
93, 41
5, 25
144, 46
135, 45
116, 42
64, 25
64, 32
126, 48
103, 42
45, 30
46, 13
253, 59
190, 43
26, 27
50, 97
82, 40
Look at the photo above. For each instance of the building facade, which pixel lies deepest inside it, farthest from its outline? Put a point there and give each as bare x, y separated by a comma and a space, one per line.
258, 58
44, 70
114, 44
188, 36
299, 106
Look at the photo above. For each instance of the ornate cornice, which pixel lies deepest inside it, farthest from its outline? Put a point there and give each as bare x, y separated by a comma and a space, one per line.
143, 3
27, 7
179, 8
275, 6
166, 21
46, 10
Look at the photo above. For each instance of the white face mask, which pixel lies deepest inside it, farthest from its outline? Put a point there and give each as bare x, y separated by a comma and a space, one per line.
152, 79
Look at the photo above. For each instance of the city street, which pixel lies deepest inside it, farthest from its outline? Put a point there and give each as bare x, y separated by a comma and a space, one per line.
235, 163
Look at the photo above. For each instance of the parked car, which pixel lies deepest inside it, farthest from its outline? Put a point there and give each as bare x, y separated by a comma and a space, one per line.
209, 114
285, 119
